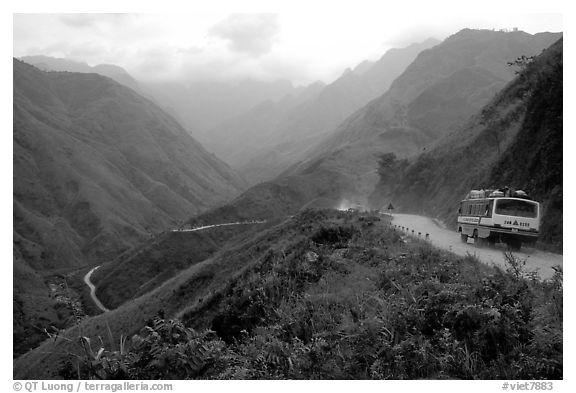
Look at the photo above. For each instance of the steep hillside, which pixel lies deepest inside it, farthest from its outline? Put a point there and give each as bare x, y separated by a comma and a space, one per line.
97, 169
350, 172
516, 140
145, 268
323, 295
261, 145
284, 196
436, 94
120, 75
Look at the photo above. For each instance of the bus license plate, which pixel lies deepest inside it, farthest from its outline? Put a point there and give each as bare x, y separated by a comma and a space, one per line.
514, 229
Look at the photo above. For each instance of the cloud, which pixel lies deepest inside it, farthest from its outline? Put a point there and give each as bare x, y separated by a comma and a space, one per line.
252, 34
89, 20
191, 50
79, 20
414, 35
88, 51
156, 61
261, 46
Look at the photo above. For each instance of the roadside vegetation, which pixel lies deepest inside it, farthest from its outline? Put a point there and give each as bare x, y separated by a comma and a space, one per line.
344, 296
516, 140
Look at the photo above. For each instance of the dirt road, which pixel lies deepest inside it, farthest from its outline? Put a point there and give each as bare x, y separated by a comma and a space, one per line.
219, 225
89, 274
449, 239
93, 290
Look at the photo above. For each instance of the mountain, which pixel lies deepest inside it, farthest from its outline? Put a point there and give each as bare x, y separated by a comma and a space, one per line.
308, 285
515, 140
197, 106
363, 67
120, 75
47, 63
203, 105
145, 268
343, 168
97, 169
436, 94
245, 140
265, 141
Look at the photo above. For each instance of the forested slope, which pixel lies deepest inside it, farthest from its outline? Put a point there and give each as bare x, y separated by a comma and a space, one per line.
516, 141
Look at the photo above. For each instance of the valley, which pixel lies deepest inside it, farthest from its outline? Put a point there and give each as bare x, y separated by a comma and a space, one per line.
337, 277
98, 169
88, 275
206, 222
543, 264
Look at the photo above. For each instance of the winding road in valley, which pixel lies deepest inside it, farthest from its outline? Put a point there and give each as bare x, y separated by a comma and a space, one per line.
89, 274
93, 290
536, 260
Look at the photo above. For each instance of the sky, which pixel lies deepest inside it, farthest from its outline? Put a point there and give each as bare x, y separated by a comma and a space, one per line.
200, 44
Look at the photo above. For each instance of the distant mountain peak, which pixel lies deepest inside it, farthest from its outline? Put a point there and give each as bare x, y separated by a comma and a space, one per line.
486, 33
363, 67
115, 72
440, 90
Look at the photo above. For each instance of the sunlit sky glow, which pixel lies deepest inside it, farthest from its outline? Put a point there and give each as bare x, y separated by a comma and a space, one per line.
300, 46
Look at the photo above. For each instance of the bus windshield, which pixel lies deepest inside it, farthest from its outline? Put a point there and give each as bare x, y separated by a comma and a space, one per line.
513, 207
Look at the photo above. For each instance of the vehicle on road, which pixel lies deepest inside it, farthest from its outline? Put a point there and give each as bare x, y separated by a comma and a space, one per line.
499, 216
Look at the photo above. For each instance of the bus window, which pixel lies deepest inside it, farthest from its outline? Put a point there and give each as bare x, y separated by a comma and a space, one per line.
512, 207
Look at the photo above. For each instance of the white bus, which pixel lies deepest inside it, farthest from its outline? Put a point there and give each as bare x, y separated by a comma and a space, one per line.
501, 216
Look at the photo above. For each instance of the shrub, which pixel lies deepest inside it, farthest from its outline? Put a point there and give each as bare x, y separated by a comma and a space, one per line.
306, 310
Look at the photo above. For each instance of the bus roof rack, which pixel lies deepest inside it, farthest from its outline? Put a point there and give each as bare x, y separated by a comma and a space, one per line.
497, 193
520, 194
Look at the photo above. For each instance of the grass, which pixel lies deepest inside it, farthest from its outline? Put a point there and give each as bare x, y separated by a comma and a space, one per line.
332, 295
145, 268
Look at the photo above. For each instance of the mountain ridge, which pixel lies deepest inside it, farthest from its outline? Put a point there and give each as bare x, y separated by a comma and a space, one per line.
515, 140
284, 138
48, 63
97, 169
387, 123
347, 169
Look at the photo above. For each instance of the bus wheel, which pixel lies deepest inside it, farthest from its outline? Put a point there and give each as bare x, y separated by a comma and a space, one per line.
478, 241
514, 244
464, 238
491, 242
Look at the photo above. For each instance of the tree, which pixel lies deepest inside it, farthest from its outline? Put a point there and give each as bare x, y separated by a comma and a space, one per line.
522, 62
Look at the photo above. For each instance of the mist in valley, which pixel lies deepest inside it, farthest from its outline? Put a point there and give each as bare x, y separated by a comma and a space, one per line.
261, 196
